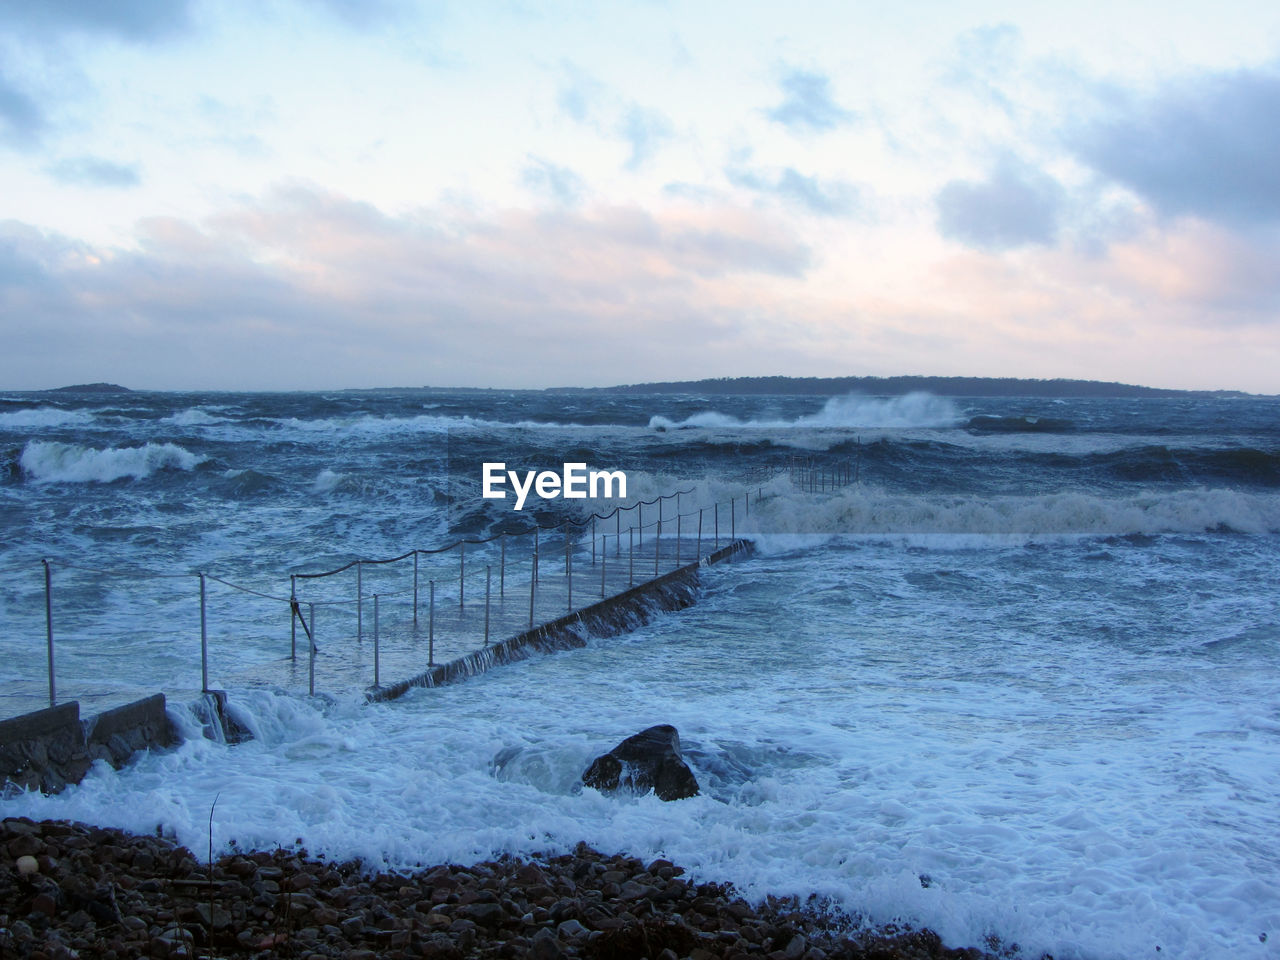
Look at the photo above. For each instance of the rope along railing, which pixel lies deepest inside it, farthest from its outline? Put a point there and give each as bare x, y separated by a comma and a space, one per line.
527, 559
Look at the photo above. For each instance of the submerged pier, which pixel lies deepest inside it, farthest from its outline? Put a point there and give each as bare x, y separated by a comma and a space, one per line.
422, 619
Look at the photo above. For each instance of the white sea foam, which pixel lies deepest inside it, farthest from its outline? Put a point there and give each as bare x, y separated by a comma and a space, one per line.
43, 417
193, 417
51, 462
915, 410
1079, 798
327, 481
870, 509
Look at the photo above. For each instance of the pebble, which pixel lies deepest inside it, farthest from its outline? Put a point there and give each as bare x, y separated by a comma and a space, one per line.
105, 893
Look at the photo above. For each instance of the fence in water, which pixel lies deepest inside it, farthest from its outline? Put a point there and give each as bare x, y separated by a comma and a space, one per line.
374, 618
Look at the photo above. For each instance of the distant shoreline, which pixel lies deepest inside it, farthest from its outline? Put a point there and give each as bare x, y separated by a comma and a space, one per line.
958, 387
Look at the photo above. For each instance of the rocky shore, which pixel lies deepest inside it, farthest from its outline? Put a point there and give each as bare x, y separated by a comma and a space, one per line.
71, 890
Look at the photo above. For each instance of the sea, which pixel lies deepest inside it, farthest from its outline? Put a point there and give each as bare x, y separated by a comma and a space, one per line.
1006, 668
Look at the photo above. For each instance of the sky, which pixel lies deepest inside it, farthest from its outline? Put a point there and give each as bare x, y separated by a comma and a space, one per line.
317, 194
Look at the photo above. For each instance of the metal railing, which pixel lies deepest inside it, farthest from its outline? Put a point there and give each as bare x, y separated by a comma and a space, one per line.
518, 559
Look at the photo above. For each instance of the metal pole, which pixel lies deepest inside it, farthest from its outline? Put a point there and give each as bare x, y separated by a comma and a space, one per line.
565, 531
640, 522
488, 582
462, 573
204, 642
631, 556
700, 534
376, 677
293, 620
617, 532
48, 622
502, 567
359, 601
533, 582
593, 541
604, 560
415, 589
568, 570
311, 664
431, 624
535, 553
678, 538
717, 519
657, 542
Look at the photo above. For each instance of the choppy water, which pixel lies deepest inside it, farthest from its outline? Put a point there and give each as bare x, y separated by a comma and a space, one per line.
1030, 656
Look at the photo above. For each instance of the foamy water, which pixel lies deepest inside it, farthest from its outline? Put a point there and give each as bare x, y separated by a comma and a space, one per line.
1051, 695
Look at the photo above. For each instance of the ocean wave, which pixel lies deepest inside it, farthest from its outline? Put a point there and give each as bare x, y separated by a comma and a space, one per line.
42, 417
870, 510
915, 410
193, 417
51, 462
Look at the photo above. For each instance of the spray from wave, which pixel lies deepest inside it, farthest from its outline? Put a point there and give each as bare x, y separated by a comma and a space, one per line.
50, 462
42, 417
872, 510
915, 410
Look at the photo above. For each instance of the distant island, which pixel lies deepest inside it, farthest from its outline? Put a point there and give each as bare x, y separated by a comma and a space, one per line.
91, 388
898, 386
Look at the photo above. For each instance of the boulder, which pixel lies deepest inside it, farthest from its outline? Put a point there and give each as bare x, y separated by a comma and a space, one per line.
649, 760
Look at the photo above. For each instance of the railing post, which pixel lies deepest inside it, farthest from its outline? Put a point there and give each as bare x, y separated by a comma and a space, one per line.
717, 519
502, 566
48, 624
311, 663
415, 589
293, 620
488, 581
617, 532
204, 642
565, 531
604, 560
533, 581
593, 541
431, 624
535, 552
462, 574
657, 543
640, 521
568, 569
377, 678
699, 556
678, 538
631, 556
359, 601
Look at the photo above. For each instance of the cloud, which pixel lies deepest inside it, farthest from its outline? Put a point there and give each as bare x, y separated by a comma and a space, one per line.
578, 93
21, 118
1205, 146
645, 130
308, 287
831, 199
94, 172
807, 105
559, 183
134, 20
1015, 206
363, 14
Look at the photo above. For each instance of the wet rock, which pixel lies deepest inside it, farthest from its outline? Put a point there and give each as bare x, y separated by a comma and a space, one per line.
648, 760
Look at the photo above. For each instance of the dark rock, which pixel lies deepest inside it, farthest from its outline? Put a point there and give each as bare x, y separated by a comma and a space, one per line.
649, 760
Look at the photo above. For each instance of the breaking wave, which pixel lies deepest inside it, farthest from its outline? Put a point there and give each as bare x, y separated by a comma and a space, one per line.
51, 462
915, 410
